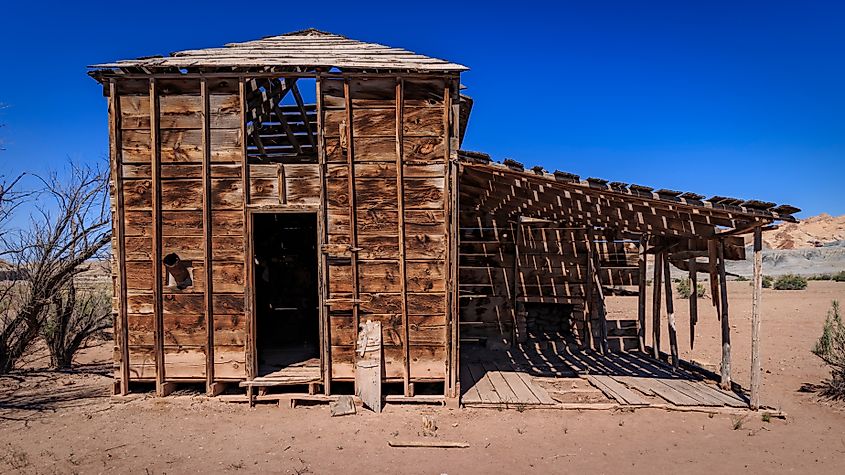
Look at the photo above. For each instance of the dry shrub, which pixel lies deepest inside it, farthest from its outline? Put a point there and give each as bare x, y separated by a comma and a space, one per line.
790, 282
831, 349
70, 225
684, 289
77, 317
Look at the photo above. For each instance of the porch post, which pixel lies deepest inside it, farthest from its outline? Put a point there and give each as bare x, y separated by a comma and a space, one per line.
756, 373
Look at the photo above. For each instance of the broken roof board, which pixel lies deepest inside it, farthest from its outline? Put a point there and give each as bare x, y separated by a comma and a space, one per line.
308, 48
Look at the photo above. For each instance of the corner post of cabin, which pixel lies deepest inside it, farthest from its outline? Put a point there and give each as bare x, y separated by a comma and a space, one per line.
726, 327
641, 291
655, 310
118, 218
756, 302
452, 119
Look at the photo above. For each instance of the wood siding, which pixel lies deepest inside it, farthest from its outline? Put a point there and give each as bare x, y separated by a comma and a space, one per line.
182, 186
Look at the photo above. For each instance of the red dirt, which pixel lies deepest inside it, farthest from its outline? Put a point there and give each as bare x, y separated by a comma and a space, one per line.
66, 423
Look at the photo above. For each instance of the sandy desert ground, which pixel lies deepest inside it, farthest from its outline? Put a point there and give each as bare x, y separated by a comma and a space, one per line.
67, 422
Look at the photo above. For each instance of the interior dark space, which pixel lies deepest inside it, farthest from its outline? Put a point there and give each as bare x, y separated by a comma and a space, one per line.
285, 264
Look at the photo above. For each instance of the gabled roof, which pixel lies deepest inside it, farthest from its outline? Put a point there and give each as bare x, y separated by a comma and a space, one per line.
308, 49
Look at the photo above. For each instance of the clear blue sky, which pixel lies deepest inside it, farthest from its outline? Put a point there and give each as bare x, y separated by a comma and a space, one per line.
744, 99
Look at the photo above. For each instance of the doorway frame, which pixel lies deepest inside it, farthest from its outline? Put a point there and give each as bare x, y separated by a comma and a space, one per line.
252, 339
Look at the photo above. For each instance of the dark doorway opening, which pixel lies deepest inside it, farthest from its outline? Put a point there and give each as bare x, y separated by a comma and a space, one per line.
286, 302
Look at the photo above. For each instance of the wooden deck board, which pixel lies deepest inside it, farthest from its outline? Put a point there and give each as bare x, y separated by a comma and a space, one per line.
471, 393
504, 391
521, 391
487, 393
616, 390
509, 378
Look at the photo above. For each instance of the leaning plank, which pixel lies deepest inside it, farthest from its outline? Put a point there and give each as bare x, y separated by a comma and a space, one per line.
615, 390
369, 366
430, 443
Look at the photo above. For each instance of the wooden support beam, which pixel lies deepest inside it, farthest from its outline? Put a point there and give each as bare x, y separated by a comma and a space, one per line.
119, 219
641, 291
206, 236
450, 117
300, 104
400, 202
670, 313
251, 352
275, 104
588, 299
518, 332
726, 326
155, 147
756, 301
353, 218
693, 301
322, 227
713, 262
655, 309
595, 280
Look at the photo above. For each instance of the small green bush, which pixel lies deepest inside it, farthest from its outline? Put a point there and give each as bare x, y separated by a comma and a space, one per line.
830, 347
684, 289
840, 277
742, 279
821, 277
790, 282
768, 281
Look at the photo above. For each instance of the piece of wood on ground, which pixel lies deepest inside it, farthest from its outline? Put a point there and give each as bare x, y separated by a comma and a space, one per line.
437, 444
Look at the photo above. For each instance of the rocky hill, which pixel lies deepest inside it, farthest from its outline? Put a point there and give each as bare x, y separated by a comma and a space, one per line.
816, 231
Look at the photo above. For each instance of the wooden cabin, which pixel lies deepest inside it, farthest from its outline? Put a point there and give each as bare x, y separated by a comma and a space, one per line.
272, 196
